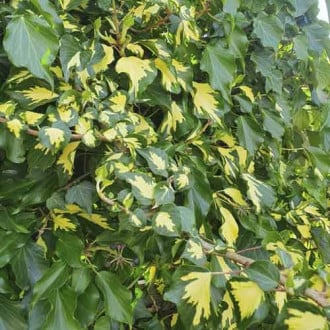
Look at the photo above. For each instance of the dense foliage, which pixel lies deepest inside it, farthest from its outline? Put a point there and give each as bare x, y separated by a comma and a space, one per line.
164, 164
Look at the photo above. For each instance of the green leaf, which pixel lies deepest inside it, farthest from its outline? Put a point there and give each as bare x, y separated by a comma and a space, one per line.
87, 305
69, 54
81, 278
12, 146
274, 125
321, 160
322, 73
265, 274
322, 240
249, 133
157, 160
301, 47
259, 192
10, 242
11, 315
61, 316
269, 30
31, 43
82, 194
117, 297
230, 6
54, 278
70, 249
219, 63
29, 265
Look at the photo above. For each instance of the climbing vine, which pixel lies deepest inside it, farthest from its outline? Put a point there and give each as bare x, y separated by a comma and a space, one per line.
164, 164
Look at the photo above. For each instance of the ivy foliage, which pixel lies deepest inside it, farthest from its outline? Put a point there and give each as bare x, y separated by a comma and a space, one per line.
164, 164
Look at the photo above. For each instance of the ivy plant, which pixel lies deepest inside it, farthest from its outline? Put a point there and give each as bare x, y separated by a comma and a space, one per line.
164, 164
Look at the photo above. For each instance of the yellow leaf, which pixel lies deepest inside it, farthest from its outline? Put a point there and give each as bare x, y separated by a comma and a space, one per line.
198, 293
56, 136
280, 299
224, 266
60, 222
195, 249
236, 195
15, 126
248, 92
39, 94
67, 157
248, 295
163, 219
300, 320
228, 314
136, 49
229, 228
135, 68
107, 59
32, 118
7, 108
168, 78
118, 102
205, 101
145, 188
97, 219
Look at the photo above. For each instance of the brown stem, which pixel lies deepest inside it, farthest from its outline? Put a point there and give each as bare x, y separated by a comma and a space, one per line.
318, 296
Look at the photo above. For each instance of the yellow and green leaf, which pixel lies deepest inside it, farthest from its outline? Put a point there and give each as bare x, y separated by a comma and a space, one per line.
64, 223
169, 80
141, 72
96, 219
198, 293
206, 104
15, 126
229, 229
248, 296
67, 157
299, 320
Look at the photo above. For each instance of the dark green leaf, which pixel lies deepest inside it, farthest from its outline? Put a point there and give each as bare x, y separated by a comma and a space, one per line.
265, 274
163, 194
81, 278
82, 194
61, 316
29, 265
11, 315
322, 240
249, 133
269, 30
219, 63
30, 42
70, 249
54, 278
117, 297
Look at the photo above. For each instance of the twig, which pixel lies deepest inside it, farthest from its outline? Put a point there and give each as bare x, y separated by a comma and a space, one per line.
318, 296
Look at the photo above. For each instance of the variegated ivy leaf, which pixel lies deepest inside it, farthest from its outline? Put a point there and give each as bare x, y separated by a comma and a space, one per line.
194, 252
142, 187
184, 74
15, 126
235, 195
187, 29
169, 80
118, 101
67, 157
197, 292
157, 160
38, 95
173, 119
107, 58
7, 108
97, 219
205, 101
141, 73
305, 320
259, 192
54, 137
229, 228
167, 221
64, 223
164, 194
32, 118
247, 295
